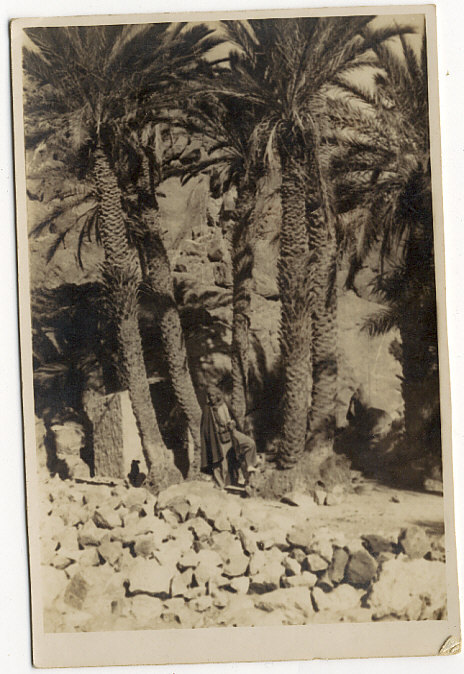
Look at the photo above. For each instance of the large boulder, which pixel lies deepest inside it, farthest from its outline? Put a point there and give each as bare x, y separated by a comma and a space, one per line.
342, 598
89, 534
297, 599
314, 563
150, 577
265, 570
409, 589
301, 536
208, 567
106, 517
361, 569
414, 542
336, 571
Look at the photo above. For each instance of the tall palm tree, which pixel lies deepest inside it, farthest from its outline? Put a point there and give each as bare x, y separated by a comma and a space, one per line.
90, 82
226, 127
152, 169
284, 69
385, 171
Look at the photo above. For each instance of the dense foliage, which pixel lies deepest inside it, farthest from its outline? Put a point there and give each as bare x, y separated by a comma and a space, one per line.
282, 105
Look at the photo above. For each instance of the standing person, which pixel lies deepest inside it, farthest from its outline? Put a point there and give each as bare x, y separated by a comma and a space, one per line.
216, 439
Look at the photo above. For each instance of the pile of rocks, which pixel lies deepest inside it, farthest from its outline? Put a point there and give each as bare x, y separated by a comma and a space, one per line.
117, 558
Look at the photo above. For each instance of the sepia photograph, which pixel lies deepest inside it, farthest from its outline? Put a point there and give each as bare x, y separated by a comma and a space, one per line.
233, 338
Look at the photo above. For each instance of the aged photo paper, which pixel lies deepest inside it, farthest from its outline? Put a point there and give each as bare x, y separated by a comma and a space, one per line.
235, 375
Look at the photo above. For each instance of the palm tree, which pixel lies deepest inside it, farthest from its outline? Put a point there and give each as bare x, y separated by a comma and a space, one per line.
284, 68
386, 173
153, 168
89, 82
226, 126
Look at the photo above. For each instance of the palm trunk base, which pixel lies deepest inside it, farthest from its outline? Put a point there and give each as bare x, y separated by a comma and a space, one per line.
194, 472
162, 476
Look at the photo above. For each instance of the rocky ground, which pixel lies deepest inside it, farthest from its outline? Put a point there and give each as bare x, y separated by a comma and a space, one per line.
115, 557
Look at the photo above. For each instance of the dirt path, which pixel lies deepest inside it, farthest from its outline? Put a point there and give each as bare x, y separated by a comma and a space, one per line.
372, 509
376, 508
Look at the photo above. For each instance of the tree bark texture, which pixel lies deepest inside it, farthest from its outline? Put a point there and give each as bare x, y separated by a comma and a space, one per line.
118, 253
419, 332
324, 341
161, 285
294, 287
242, 269
122, 272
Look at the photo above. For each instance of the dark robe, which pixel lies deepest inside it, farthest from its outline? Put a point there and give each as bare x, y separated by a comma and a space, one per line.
212, 450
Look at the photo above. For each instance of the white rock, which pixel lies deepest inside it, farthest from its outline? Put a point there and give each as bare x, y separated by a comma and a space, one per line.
110, 551
305, 579
150, 577
201, 603
322, 544
201, 529
106, 517
189, 560
248, 539
88, 557
146, 609
68, 541
291, 566
341, 598
145, 545
314, 563
62, 562
208, 567
286, 598
153, 525
89, 534
272, 536
412, 589
181, 583
52, 527
131, 520
240, 584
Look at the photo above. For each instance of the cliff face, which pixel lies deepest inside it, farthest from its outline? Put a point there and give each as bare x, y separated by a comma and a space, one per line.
201, 265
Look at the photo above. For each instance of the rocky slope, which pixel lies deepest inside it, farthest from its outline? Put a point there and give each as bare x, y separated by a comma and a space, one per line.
117, 558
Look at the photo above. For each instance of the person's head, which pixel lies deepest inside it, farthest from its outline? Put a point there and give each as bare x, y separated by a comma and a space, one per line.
214, 396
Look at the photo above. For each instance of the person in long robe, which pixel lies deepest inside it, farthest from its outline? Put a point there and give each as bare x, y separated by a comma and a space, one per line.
216, 439
225, 450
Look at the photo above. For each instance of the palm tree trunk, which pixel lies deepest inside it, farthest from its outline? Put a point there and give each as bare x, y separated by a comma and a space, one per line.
162, 471
122, 273
160, 281
420, 382
242, 268
323, 336
419, 337
294, 287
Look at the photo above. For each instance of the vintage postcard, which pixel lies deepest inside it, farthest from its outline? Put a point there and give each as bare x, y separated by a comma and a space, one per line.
233, 336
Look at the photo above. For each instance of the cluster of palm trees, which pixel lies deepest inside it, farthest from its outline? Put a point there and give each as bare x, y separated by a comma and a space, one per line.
281, 102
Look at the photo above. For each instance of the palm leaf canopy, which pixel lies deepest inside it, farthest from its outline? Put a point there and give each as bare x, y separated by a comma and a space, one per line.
87, 78
98, 84
276, 77
283, 67
382, 163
